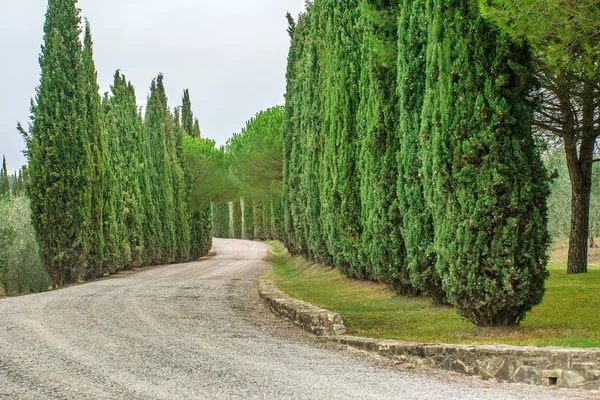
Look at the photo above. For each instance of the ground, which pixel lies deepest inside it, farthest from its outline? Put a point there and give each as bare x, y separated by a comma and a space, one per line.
198, 330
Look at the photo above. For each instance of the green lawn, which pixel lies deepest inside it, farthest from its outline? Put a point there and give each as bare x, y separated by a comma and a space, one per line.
569, 315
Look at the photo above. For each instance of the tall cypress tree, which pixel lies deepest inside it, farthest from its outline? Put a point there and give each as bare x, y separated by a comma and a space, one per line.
4, 182
94, 129
382, 245
124, 133
59, 149
293, 207
158, 125
485, 181
339, 178
187, 117
248, 219
220, 220
237, 219
259, 226
417, 224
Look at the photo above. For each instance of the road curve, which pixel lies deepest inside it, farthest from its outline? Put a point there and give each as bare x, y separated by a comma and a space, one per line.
195, 331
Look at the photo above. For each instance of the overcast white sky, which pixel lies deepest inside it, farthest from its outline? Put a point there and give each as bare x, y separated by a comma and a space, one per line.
231, 54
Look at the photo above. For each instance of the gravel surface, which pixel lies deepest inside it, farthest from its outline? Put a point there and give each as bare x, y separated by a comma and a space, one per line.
198, 331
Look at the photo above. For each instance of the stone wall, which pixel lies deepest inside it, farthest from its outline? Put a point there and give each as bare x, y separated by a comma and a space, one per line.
547, 366
551, 366
312, 319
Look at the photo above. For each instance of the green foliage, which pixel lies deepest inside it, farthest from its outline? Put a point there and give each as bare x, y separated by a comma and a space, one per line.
237, 219
566, 34
220, 220
417, 226
408, 154
4, 181
21, 269
58, 148
94, 130
382, 248
208, 171
248, 231
257, 156
259, 222
484, 179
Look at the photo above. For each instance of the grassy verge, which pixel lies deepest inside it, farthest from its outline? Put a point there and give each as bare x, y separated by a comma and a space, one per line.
569, 315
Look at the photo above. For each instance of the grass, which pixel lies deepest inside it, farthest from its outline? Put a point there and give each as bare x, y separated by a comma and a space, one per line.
569, 316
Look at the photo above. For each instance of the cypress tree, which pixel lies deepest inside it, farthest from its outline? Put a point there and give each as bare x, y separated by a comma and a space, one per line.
339, 177
292, 208
267, 220
277, 220
158, 127
94, 129
237, 219
417, 224
4, 182
187, 117
220, 220
248, 219
382, 245
259, 227
485, 181
312, 135
112, 231
59, 150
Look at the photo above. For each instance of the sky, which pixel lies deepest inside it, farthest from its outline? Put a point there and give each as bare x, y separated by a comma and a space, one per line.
230, 54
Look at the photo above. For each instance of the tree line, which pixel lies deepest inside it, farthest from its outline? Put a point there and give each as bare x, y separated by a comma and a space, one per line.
409, 156
246, 180
108, 184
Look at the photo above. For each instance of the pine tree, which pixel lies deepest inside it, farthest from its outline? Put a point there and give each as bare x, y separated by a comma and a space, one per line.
484, 179
59, 150
94, 129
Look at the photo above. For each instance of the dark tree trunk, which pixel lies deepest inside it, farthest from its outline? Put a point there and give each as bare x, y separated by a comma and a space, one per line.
580, 162
578, 240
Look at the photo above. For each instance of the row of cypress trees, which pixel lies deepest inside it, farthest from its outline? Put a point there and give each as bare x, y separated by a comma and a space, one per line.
408, 154
108, 187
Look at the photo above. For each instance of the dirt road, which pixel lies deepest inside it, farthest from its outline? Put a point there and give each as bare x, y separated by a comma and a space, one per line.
195, 331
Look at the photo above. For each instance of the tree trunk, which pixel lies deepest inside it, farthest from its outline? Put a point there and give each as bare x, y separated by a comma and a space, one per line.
578, 240
580, 162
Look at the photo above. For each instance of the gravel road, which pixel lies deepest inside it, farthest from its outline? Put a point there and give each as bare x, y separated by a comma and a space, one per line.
198, 331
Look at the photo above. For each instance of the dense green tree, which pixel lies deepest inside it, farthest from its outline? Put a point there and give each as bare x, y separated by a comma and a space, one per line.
248, 219
259, 222
237, 219
292, 209
220, 220
382, 246
158, 126
4, 182
94, 131
417, 226
58, 148
339, 177
484, 178
565, 37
